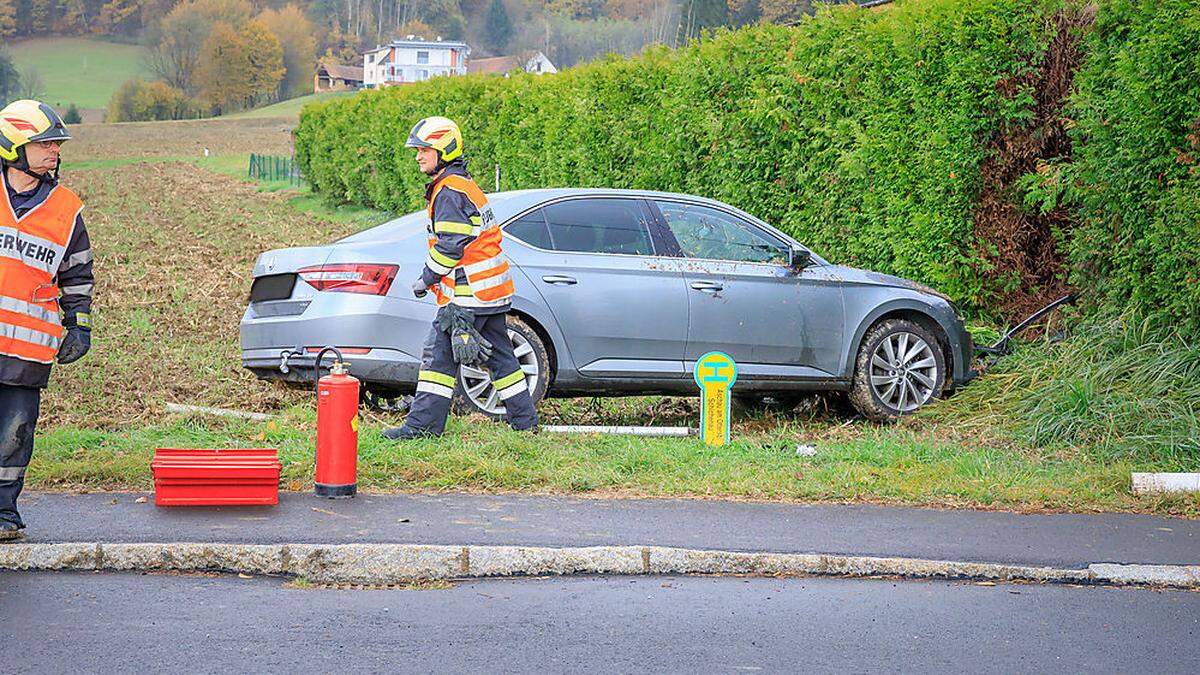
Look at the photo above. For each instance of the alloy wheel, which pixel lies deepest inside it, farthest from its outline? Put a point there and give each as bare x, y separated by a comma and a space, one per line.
476, 381
904, 372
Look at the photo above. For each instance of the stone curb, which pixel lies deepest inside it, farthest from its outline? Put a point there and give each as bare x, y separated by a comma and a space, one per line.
379, 564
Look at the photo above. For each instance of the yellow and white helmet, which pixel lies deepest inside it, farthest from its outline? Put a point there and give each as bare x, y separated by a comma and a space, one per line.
27, 121
439, 133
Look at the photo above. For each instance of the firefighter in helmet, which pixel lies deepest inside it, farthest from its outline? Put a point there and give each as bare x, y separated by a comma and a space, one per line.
45, 285
468, 274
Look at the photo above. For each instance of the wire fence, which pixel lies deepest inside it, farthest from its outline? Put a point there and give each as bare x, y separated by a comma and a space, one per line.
275, 168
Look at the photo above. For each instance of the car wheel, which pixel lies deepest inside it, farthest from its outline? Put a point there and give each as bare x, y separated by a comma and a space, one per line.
475, 393
900, 368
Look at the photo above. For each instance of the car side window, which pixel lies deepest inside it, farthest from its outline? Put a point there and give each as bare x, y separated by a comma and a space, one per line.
531, 229
711, 234
599, 226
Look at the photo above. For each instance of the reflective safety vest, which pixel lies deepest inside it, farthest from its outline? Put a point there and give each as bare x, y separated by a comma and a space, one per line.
489, 282
31, 250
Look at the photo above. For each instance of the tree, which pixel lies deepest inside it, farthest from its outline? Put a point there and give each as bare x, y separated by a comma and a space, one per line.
137, 101
175, 44
497, 27
697, 16
785, 11
120, 17
294, 31
238, 69
10, 80
32, 84
72, 115
8, 18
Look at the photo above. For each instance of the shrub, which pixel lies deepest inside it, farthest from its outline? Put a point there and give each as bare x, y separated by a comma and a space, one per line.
140, 101
1136, 173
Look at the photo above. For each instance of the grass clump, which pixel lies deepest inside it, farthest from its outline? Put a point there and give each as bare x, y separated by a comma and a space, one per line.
1118, 389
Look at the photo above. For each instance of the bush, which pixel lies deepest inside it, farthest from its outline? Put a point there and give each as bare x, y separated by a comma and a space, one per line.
72, 115
866, 135
140, 101
1136, 172
859, 132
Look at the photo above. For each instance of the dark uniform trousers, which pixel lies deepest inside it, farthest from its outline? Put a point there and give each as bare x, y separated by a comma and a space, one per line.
18, 417
431, 405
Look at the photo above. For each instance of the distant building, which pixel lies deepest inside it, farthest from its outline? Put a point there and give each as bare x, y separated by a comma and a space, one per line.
535, 62
413, 60
336, 77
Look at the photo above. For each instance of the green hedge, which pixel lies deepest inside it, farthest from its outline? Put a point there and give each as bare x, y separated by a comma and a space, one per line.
1135, 175
860, 132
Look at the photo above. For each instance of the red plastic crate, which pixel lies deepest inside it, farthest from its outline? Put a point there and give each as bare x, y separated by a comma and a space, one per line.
233, 477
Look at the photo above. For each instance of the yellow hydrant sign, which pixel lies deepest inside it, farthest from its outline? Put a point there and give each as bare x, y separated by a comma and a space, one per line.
715, 373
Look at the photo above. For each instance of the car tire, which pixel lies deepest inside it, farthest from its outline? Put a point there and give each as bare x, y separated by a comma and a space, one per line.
474, 393
886, 382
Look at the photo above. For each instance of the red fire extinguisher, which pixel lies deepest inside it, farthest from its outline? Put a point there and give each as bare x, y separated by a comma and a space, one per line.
337, 429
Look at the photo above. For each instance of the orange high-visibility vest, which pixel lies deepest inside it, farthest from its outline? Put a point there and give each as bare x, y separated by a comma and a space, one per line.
489, 282
31, 250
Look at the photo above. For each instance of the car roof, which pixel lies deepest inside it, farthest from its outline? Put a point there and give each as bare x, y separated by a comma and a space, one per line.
510, 203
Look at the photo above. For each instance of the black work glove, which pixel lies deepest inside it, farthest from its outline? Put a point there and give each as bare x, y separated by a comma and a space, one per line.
75, 344
419, 288
469, 347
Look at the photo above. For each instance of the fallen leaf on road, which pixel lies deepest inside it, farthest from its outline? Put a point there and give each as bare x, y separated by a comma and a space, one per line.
244, 576
113, 501
140, 500
1164, 529
985, 583
329, 513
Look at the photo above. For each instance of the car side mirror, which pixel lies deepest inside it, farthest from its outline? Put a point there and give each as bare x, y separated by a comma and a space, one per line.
800, 258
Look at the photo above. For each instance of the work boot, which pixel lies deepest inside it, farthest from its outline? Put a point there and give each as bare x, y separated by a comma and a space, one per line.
10, 532
405, 434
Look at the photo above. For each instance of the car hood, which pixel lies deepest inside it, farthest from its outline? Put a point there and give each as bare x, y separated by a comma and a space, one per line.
869, 278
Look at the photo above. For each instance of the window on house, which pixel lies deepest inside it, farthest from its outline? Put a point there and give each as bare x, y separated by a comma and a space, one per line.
422, 74
423, 58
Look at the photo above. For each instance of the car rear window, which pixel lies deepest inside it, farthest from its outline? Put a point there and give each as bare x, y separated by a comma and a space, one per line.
599, 226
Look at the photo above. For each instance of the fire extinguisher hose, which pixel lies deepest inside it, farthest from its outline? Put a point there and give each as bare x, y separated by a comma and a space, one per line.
317, 364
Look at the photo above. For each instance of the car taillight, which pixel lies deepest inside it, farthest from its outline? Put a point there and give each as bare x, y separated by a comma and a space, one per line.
351, 277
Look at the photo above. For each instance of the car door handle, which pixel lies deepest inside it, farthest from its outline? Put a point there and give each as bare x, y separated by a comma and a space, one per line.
559, 280
707, 286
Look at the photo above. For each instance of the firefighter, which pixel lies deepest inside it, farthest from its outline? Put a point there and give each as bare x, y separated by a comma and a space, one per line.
468, 274
45, 285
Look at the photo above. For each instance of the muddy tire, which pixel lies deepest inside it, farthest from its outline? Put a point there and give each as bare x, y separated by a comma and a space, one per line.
900, 368
475, 394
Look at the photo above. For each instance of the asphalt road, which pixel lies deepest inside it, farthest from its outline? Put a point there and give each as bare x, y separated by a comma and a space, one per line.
1060, 540
67, 622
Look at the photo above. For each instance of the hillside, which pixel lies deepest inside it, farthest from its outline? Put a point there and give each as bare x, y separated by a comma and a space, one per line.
79, 70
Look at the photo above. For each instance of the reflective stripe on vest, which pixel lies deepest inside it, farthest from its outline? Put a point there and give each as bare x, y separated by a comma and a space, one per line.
32, 250
483, 260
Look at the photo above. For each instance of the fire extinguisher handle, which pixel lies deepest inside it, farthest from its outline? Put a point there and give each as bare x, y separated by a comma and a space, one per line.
317, 364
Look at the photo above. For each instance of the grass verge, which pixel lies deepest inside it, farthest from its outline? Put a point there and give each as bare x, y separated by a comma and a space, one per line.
1054, 427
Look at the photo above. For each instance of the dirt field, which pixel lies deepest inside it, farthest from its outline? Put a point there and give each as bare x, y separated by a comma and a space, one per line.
174, 249
185, 138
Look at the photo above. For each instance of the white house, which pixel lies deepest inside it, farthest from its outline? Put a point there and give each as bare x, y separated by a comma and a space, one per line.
413, 60
533, 62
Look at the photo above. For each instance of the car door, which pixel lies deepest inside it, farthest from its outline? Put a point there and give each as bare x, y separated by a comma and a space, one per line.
620, 304
744, 299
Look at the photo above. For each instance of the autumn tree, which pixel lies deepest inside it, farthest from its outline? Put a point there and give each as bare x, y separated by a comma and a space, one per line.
174, 45
8, 18
294, 31
238, 69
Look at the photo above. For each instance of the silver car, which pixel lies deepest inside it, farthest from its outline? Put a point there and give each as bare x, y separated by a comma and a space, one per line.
619, 293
